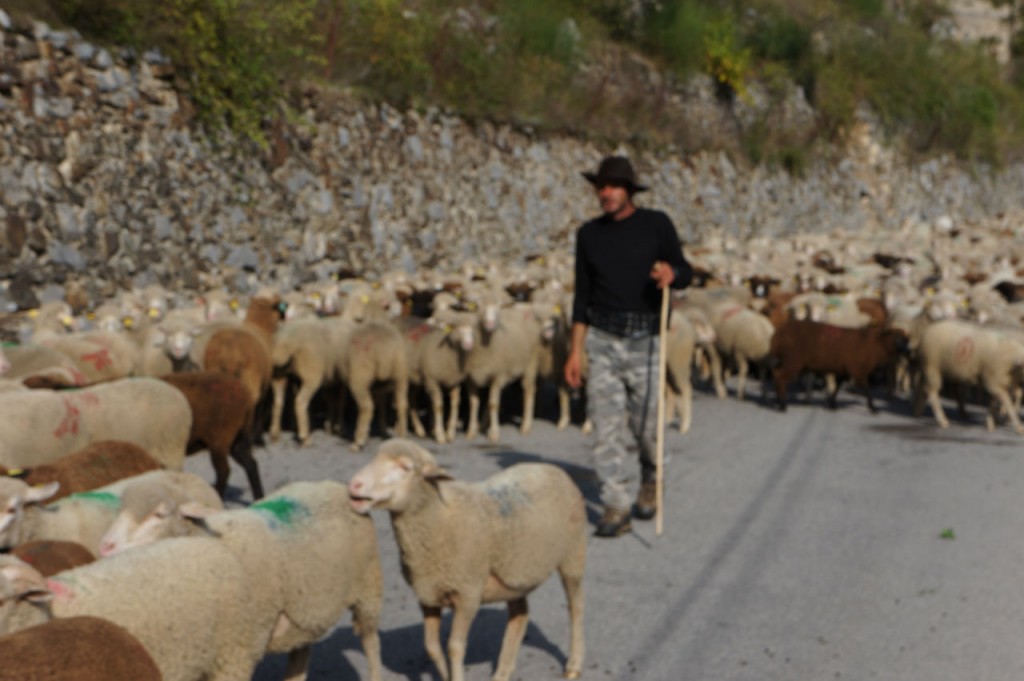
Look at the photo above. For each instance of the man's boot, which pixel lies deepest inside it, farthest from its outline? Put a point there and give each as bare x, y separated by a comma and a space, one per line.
615, 522
646, 501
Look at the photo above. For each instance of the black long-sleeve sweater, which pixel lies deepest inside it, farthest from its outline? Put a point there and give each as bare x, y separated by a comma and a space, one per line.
614, 261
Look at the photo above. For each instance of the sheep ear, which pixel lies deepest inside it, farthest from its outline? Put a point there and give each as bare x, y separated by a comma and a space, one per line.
193, 510
434, 473
197, 514
28, 584
40, 493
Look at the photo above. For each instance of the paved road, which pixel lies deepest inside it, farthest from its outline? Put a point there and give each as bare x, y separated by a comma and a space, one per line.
809, 545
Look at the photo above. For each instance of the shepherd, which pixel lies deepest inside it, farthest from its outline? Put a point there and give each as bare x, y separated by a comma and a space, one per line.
624, 260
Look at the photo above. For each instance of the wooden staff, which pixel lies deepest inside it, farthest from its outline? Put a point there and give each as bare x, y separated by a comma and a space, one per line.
659, 448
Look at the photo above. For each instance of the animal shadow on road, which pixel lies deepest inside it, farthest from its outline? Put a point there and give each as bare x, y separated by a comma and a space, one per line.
929, 432
402, 650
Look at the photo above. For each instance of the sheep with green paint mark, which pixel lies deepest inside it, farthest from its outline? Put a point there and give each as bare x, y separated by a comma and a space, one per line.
308, 556
85, 517
465, 544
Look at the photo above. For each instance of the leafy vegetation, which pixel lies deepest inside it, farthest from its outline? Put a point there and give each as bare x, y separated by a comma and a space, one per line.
611, 69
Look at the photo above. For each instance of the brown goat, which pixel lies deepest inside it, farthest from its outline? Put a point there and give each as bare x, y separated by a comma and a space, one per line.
92, 466
221, 422
75, 649
802, 345
51, 556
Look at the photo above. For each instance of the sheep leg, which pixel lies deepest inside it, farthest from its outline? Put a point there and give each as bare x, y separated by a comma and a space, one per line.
365, 624
437, 406
454, 396
474, 412
572, 582
529, 383
364, 405
432, 639
685, 406
742, 367
241, 452
515, 629
298, 664
401, 406
277, 387
781, 380
563, 408
221, 470
833, 393
464, 611
716, 373
1003, 396
414, 414
493, 405
302, 399
932, 384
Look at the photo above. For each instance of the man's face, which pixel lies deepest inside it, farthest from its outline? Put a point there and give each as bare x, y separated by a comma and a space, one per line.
614, 197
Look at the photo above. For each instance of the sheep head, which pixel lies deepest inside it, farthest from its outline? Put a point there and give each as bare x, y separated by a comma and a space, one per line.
15, 497
390, 481
20, 583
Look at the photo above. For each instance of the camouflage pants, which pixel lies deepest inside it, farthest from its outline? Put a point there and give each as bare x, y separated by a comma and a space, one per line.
622, 399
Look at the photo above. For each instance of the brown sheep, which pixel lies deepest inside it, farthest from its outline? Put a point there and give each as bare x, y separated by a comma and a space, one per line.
51, 556
88, 468
221, 422
75, 649
804, 345
244, 351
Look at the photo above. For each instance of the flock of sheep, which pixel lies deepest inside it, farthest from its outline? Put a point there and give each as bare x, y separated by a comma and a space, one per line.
215, 372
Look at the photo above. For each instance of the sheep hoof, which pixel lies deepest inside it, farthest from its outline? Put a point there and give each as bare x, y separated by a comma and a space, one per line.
571, 675
356, 447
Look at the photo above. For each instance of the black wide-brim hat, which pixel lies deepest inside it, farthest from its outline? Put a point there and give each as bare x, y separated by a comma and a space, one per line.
616, 170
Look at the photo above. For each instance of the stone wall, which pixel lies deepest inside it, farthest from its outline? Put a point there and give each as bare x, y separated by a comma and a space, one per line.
105, 181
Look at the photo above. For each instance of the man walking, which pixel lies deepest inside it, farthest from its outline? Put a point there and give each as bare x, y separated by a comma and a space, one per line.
623, 260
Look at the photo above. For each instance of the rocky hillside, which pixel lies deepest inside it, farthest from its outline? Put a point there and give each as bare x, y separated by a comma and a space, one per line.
104, 182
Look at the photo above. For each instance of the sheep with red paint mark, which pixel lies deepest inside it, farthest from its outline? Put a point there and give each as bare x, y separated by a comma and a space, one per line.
308, 555
465, 544
803, 345
967, 353
221, 422
42, 426
95, 465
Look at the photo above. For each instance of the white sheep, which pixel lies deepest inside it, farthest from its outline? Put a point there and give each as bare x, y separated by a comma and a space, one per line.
187, 600
464, 544
375, 353
310, 350
508, 349
43, 425
437, 352
306, 551
967, 353
745, 336
86, 517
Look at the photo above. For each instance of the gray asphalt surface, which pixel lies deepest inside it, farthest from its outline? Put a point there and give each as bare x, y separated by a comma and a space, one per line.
808, 545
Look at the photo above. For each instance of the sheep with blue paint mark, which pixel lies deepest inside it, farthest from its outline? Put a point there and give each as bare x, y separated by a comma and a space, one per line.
308, 555
464, 544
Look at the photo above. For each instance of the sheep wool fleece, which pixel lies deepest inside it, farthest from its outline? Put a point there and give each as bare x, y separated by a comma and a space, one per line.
622, 395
